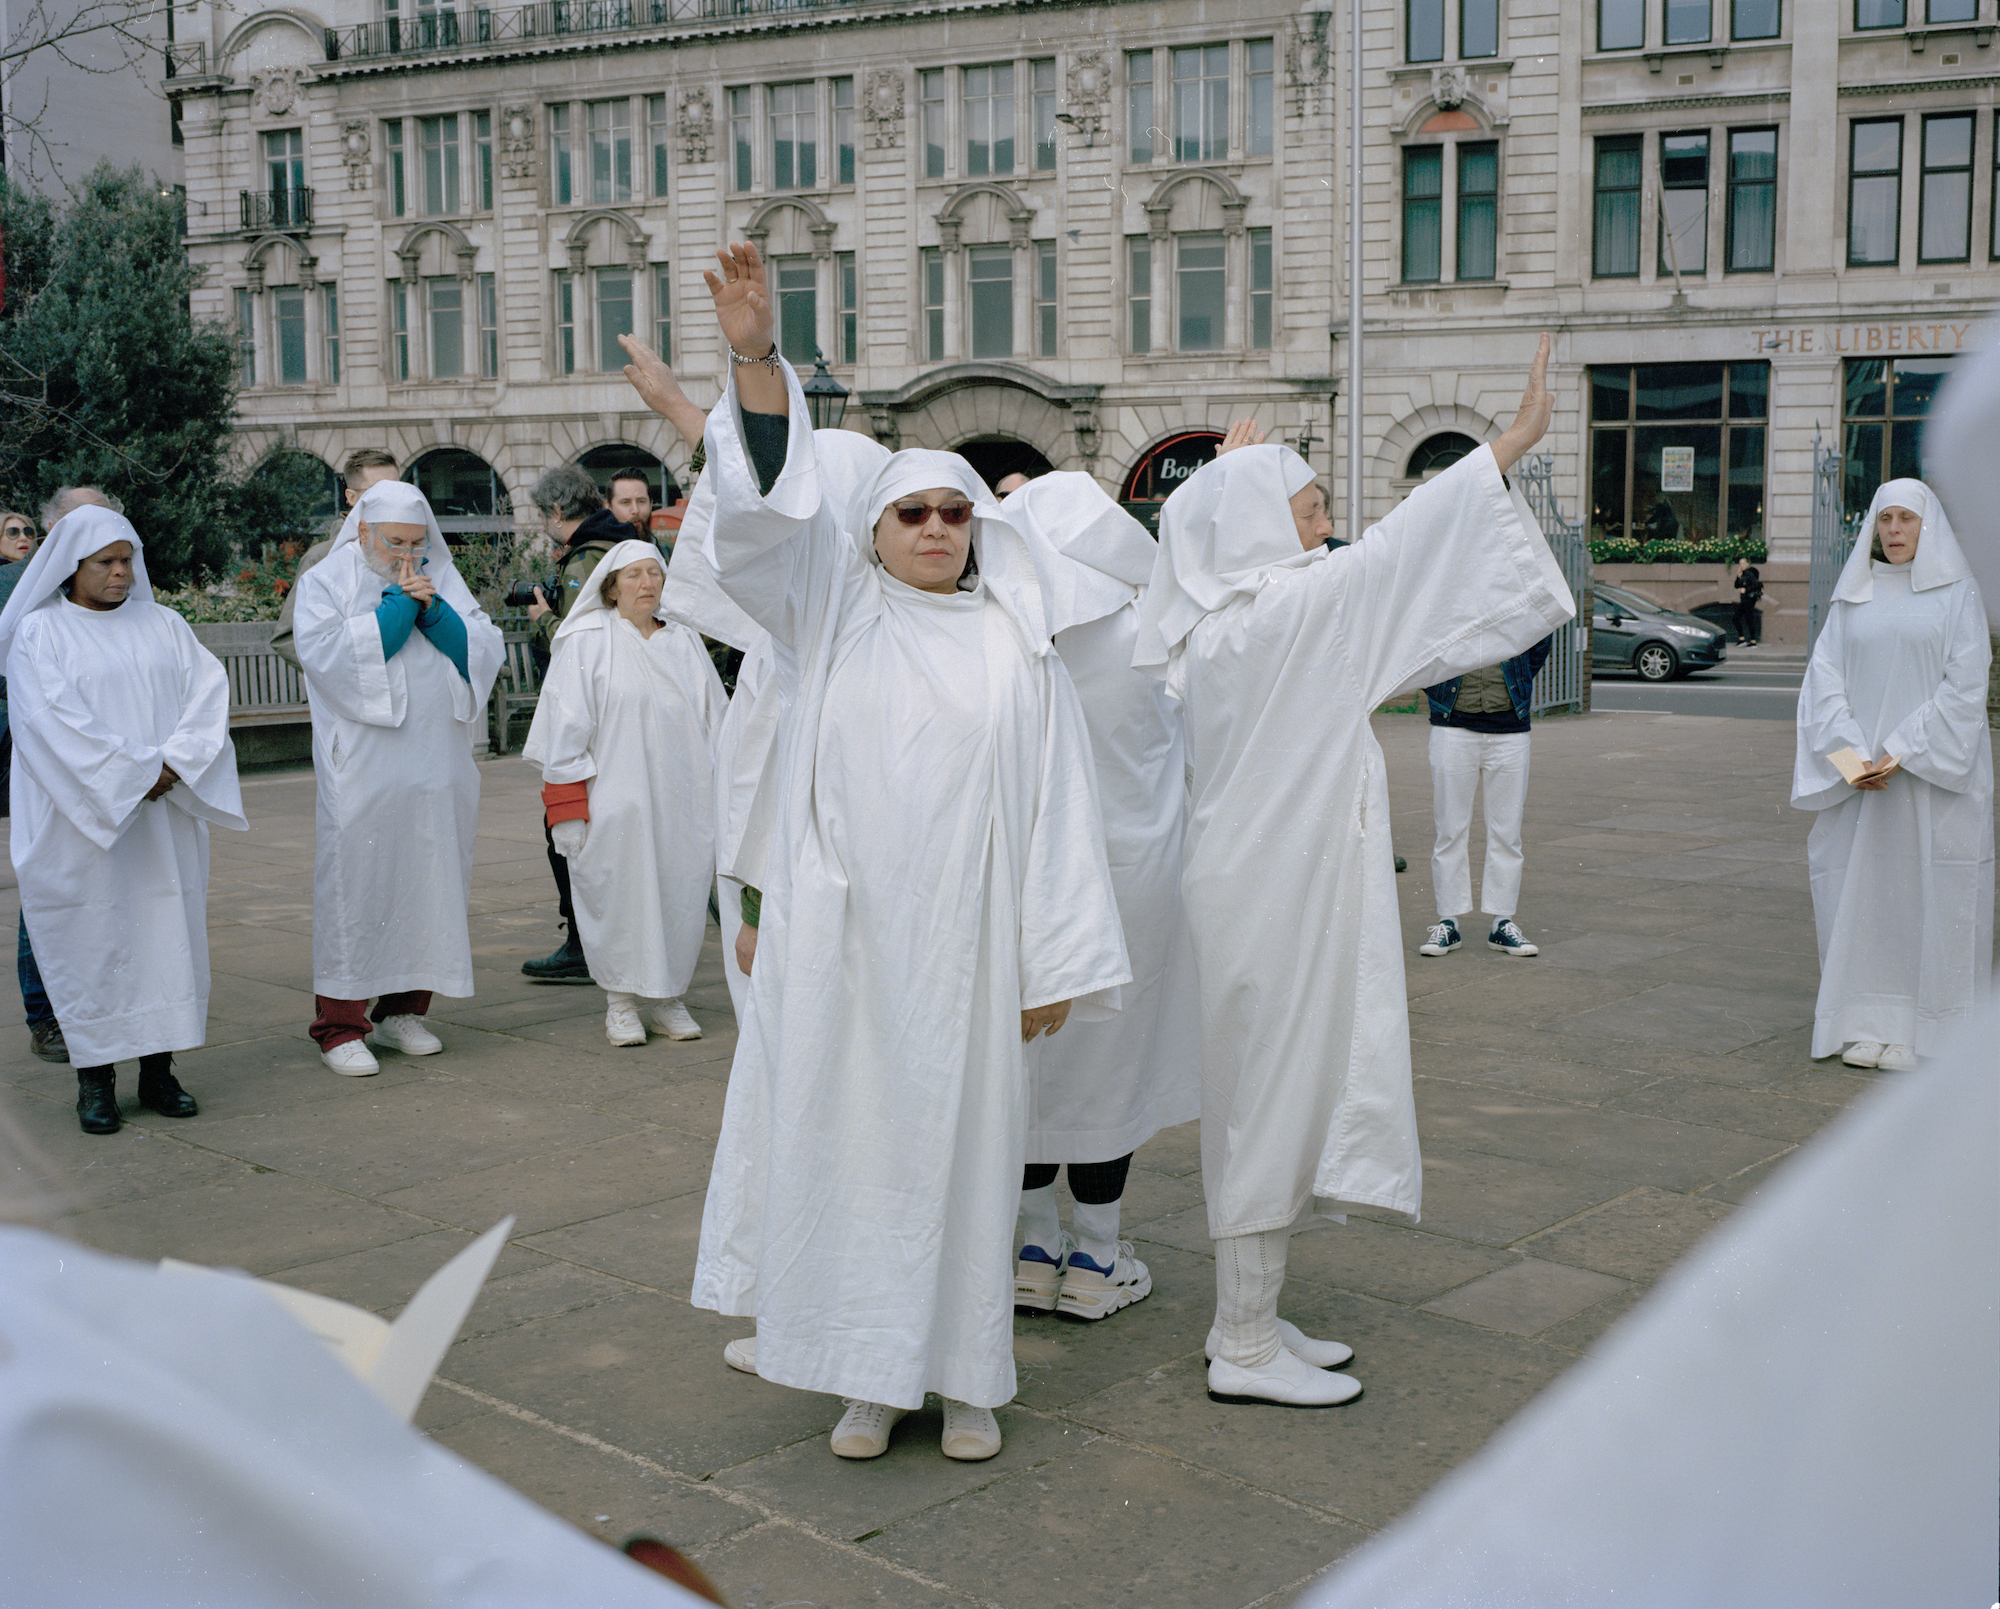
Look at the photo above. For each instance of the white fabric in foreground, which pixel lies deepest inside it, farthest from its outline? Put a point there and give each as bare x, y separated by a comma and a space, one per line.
115, 889
1963, 467
250, 1468
1803, 1412
635, 717
1939, 560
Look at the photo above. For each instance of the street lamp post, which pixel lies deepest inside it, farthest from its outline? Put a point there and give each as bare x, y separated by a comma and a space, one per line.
1354, 272
826, 397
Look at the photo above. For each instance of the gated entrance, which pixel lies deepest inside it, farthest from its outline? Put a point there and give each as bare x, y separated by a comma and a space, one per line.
1832, 540
1564, 680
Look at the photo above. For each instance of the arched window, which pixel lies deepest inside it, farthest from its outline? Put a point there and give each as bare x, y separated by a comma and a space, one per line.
1438, 452
601, 463
460, 487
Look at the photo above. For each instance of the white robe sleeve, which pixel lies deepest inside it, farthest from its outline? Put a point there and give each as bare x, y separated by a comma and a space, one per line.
199, 749
1939, 740
1826, 723
341, 655
566, 714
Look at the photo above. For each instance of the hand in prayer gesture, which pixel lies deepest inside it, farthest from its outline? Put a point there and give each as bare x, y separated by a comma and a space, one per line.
1050, 1017
743, 309
1537, 409
167, 779
416, 585
1244, 433
649, 375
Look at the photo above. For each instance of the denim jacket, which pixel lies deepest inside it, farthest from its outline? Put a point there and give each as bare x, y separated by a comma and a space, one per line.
1520, 675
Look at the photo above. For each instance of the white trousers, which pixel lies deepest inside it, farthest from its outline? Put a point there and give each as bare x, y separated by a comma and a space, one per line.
1460, 762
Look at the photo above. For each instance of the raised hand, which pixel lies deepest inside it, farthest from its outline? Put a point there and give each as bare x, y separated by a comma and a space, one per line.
649, 375
1244, 433
1537, 409
742, 301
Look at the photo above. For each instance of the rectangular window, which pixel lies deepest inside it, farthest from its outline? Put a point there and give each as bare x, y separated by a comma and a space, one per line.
1200, 290
610, 150
1944, 204
1684, 203
399, 329
1687, 22
1423, 22
437, 141
794, 136
1263, 99
742, 119
1614, 240
1423, 214
987, 106
930, 114
1647, 421
843, 131
1139, 291
1942, 11
798, 310
663, 312
1874, 191
565, 323
1260, 290
658, 132
1139, 104
614, 316
1045, 298
933, 271
1755, 19
285, 160
392, 149
1621, 24
489, 326
1201, 103
1042, 79
482, 159
246, 338
849, 307
445, 307
1479, 27
329, 323
1753, 201
562, 178
288, 327
1479, 210
1885, 402
1878, 13
990, 276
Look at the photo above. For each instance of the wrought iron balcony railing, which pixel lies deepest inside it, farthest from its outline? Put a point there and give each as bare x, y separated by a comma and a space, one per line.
188, 60
475, 27
277, 209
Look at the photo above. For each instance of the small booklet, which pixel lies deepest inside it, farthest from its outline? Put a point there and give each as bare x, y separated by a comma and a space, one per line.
394, 1360
1849, 764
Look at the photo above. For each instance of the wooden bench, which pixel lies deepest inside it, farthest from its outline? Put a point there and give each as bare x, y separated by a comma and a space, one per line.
264, 690
515, 689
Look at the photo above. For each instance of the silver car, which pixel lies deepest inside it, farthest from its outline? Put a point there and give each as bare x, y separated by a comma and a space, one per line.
1656, 643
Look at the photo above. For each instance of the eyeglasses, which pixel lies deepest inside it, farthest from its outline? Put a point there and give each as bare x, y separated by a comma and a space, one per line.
18, 530
917, 513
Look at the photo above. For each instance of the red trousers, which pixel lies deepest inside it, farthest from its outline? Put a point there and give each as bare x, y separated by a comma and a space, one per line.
341, 1021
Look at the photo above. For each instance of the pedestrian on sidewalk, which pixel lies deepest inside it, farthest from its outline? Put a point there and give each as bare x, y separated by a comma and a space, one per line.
399, 660
122, 760
623, 735
1278, 651
1479, 744
1901, 853
1749, 587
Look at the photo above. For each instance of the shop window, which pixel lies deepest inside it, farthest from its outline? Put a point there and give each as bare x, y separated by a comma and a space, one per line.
1677, 459
1884, 403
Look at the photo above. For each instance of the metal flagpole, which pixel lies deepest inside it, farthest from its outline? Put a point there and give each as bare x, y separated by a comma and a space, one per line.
1354, 272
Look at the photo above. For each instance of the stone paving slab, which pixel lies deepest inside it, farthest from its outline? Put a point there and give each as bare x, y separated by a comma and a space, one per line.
1587, 1116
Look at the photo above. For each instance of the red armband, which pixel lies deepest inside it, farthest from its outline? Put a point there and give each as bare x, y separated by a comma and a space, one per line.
566, 801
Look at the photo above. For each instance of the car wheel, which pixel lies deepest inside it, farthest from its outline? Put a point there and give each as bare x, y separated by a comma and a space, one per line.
1656, 662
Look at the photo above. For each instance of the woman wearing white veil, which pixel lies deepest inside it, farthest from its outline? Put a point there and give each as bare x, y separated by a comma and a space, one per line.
1901, 851
935, 894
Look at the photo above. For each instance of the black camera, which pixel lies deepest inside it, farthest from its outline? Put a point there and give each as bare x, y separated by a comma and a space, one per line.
522, 593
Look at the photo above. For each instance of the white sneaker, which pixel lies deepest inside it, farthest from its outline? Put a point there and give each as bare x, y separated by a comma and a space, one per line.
970, 1434
1864, 1053
863, 1431
1089, 1293
407, 1034
742, 1354
622, 1025
352, 1059
1287, 1380
1038, 1275
1897, 1059
670, 1017
1320, 1354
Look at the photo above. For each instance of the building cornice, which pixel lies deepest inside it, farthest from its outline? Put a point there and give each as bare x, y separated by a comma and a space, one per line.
1690, 103
1919, 86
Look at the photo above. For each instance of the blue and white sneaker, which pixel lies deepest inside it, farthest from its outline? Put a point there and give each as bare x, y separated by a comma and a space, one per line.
1038, 1276
1442, 939
1509, 939
1092, 1291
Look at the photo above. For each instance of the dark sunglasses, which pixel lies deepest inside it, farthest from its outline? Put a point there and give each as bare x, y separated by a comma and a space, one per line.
917, 513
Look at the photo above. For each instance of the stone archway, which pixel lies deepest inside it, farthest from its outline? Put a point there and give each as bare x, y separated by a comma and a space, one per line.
996, 456
980, 402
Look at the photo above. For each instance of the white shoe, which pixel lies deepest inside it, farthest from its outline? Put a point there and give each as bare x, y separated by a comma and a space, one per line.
970, 1434
407, 1034
1320, 1354
1864, 1053
1089, 1294
742, 1354
1038, 1279
863, 1431
1897, 1059
670, 1017
352, 1059
622, 1025
1287, 1380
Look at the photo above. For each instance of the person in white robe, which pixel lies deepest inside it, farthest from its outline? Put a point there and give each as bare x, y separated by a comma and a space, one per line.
623, 734
1103, 1089
1278, 650
122, 760
1901, 856
399, 660
936, 895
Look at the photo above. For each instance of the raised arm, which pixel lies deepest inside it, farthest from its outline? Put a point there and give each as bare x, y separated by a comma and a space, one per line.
649, 375
1531, 423
743, 309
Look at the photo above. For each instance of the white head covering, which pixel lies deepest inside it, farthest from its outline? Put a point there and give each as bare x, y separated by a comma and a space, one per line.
1005, 566
1939, 559
397, 502
72, 539
1093, 557
1960, 459
590, 612
1228, 524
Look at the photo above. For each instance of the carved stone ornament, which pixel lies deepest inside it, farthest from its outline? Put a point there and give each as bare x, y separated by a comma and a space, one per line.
882, 109
1306, 57
696, 124
1089, 91
275, 91
1448, 86
517, 143
354, 152
887, 428
1083, 422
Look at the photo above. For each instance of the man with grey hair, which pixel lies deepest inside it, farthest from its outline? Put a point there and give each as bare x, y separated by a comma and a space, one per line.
69, 497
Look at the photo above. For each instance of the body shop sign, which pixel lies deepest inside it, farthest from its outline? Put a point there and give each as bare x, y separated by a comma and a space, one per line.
1164, 469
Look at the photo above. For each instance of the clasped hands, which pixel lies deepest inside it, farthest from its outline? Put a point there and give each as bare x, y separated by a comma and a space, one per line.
1877, 776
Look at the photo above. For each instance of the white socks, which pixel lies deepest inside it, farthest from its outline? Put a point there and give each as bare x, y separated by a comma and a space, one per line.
1096, 1227
1037, 1223
1249, 1274
613, 1000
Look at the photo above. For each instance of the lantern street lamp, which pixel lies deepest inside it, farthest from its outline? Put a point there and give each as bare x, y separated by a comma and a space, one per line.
826, 397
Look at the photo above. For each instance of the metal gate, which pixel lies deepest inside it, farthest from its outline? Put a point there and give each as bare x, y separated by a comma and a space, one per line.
1564, 680
1832, 538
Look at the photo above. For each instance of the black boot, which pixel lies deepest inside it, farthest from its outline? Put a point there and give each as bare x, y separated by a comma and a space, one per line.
564, 964
159, 1089
97, 1100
